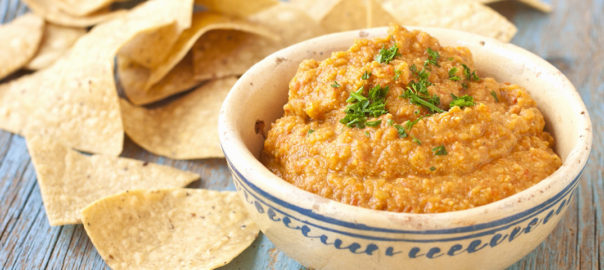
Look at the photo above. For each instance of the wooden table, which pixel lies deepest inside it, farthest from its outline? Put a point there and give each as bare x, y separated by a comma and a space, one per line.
571, 38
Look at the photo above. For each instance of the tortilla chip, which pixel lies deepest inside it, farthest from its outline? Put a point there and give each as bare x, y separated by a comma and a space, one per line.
461, 15
346, 15
75, 101
222, 53
20, 40
316, 9
186, 128
169, 229
69, 181
52, 13
202, 23
57, 41
133, 76
377, 16
291, 24
537, 4
82, 7
150, 48
236, 7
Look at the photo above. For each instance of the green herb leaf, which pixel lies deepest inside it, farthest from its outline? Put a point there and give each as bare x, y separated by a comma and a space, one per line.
452, 74
433, 57
310, 131
366, 75
439, 150
361, 107
402, 133
335, 84
397, 74
417, 91
433, 168
390, 122
464, 101
416, 140
386, 55
494, 96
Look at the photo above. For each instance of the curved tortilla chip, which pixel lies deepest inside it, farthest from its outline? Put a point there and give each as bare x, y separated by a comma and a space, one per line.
52, 13
288, 22
82, 7
347, 15
186, 128
133, 77
169, 229
56, 41
537, 4
202, 23
75, 101
465, 15
222, 53
20, 41
236, 7
69, 181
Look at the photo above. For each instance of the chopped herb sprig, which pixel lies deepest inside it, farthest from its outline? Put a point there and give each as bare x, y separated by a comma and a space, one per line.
439, 150
384, 56
463, 101
362, 107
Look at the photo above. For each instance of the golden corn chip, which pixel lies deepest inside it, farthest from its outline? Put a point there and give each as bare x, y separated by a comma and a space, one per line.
69, 181
236, 7
52, 13
346, 15
316, 9
186, 128
537, 4
75, 101
57, 41
20, 41
169, 229
82, 7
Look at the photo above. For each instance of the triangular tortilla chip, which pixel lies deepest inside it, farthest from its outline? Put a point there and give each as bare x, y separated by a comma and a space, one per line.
465, 15
57, 41
236, 7
75, 101
377, 16
221, 53
169, 229
69, 181
346, 15
202, 23
133, 77
82, 7
186, 128
20, 41
291, 24
52, 13
316, 9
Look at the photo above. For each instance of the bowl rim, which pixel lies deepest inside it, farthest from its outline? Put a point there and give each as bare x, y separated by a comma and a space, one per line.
248, 168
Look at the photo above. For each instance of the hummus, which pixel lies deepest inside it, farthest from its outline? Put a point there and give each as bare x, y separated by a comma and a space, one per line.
404, 124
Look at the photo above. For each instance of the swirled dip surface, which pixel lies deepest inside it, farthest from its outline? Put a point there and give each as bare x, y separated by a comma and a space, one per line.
404, 124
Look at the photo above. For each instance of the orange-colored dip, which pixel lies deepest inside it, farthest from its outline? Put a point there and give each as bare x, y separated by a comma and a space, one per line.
494, 148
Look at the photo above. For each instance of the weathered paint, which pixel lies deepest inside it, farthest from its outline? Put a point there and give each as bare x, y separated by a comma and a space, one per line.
571, 38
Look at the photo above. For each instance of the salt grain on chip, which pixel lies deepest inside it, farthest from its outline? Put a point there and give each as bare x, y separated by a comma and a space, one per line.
185, 128
169, 229
20, 41
69, 181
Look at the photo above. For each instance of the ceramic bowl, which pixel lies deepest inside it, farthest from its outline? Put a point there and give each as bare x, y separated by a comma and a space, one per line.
325, 234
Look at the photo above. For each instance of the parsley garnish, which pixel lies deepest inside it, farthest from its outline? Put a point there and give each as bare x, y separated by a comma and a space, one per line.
310, 131
494, 95
362, 107
402, 133
374, 123
387, 55
433, 57
417, 92
397, 74
390, 122
439, 150
464, 101
335, 84
366, 75
433, 168
452, 75
367, 134
416, 140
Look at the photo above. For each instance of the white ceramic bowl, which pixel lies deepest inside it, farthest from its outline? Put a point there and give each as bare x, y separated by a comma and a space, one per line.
326, 234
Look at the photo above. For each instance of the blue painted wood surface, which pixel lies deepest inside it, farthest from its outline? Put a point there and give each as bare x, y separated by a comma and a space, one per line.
571, 38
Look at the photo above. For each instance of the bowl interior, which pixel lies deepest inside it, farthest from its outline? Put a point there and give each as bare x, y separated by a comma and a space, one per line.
258, 97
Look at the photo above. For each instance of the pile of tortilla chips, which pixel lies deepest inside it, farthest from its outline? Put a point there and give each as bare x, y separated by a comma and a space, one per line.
69, 102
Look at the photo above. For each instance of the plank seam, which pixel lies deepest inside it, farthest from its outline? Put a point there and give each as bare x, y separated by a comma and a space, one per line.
54, 245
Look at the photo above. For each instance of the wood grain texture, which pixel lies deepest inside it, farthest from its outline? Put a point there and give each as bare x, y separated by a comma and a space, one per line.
570, 37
